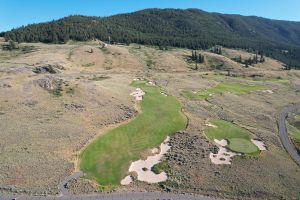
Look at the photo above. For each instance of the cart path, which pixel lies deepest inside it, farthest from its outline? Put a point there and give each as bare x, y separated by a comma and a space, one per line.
117, 196
284, 136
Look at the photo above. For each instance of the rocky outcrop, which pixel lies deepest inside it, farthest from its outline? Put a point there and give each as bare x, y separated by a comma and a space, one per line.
48, 68
50, 83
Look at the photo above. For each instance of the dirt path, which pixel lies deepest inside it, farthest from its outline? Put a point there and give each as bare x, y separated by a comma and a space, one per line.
284, 136
63, 186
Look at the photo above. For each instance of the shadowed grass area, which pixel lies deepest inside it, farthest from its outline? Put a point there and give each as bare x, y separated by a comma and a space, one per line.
236, 88
294, 130
108, 158
160, 167
239, 138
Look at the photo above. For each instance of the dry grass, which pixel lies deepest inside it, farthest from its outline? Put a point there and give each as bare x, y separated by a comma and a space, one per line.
43, 133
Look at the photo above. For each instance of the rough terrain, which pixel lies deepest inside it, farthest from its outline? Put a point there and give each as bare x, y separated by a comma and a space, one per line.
55, 99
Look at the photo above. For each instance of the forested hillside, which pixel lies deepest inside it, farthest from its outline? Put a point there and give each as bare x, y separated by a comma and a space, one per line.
191, 28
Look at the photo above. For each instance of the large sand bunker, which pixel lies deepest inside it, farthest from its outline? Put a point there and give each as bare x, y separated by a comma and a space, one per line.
259, 144
143, 167
223, 156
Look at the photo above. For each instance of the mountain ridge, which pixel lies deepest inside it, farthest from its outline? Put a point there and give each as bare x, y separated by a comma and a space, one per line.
190, 28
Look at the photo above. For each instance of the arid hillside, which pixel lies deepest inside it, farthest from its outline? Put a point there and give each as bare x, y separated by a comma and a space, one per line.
56, 99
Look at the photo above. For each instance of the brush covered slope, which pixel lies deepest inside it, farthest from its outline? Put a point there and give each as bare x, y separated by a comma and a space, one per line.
57, 98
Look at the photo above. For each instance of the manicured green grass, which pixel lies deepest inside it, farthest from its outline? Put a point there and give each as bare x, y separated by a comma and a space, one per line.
192, 95
242, 145
280, 81
247, 80
236, 88
226, 130
239, 138
108, 158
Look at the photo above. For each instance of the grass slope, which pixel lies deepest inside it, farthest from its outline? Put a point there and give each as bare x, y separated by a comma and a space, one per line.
239, 138
294, 131
222, 87
108, 158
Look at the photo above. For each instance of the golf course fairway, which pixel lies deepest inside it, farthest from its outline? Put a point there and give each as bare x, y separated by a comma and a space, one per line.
108, 158
235, 88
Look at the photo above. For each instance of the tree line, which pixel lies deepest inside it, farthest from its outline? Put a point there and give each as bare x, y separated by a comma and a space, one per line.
193, 29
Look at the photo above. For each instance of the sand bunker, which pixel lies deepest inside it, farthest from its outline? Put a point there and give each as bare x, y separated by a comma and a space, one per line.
164, 94
268, 91
143, 167
127, 180
138, 94
260, 144
224, 156
221, 143
138, 79
155, 151
151, 83
211, 125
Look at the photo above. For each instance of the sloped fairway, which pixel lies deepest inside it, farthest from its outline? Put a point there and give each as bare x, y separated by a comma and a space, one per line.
239, 138
236, 88
108, 158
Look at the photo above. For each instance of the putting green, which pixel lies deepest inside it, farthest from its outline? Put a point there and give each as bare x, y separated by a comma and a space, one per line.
239, 138
242, 145
108, 158
236, 88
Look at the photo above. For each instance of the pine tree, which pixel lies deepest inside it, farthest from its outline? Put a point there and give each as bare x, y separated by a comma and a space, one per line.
54, 38
200, 58
262, 58
240, 59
